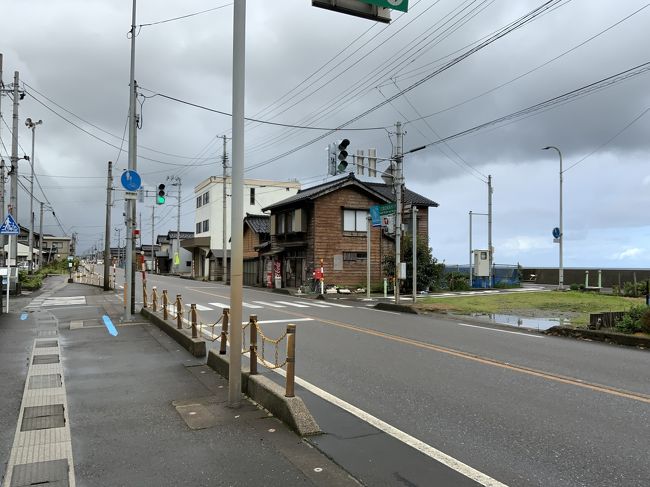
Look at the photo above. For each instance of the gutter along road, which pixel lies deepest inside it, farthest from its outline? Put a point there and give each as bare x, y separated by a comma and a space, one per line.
520, 408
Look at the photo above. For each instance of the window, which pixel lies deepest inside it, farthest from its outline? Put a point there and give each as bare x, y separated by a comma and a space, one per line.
188, 263
198, 201
355, 220
206, 226
280, 223
252, 197
206, 198
198, 227
354, 256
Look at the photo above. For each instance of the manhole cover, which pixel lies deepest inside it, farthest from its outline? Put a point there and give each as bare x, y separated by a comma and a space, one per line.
47, 344
49, 474
45, 381
43, 417
45, 359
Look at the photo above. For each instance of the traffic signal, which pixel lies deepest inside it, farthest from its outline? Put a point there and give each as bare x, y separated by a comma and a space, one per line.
160, 199
342, 155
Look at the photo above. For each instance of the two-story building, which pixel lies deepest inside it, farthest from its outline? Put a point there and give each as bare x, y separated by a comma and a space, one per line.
328, 222
206, 246
166, 253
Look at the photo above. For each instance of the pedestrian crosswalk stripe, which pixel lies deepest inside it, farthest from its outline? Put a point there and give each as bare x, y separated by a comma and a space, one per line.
269, 304
220, 305
200, 307
64, 301
339, 305
316, 305
295, 305
253, 306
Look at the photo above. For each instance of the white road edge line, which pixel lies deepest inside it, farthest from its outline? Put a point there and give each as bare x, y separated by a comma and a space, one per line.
501, 331
400, 435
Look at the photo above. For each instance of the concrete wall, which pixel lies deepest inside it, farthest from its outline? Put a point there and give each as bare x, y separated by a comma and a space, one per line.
610, 277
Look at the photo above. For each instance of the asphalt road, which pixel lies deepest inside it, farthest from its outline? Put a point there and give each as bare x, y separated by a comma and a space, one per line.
524, 409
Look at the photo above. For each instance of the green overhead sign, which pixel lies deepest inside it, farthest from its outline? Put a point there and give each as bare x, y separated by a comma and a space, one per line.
402, 5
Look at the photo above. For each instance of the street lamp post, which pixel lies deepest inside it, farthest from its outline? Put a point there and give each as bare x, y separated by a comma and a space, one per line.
32, 125
561, 237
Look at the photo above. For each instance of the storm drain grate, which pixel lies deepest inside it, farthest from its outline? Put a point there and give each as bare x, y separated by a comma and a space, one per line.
49, 474
43, 417
47, 344
46, 333
46, 381
46, 359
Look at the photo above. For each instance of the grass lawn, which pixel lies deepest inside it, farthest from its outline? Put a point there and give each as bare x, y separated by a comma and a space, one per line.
574, 305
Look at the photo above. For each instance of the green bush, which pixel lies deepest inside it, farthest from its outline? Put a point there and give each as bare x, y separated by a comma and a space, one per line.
636, 319
30, 283
574, 287
457, 281
629, 289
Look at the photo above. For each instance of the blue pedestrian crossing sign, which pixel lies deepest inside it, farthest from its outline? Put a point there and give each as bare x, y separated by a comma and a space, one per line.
9, 227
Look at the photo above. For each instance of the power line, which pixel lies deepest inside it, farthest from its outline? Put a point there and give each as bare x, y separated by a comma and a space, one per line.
548, 104
265, 122
627, 126
513, 26
186, 16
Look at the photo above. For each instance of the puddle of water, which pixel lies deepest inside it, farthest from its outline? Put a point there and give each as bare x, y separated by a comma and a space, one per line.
525, 322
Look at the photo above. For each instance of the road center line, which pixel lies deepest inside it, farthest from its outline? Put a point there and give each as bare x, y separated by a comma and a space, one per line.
530, 335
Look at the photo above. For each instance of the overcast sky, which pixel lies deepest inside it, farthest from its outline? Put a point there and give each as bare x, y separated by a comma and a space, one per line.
311, 67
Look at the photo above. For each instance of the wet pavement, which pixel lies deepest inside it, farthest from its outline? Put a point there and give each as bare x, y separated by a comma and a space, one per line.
140, 410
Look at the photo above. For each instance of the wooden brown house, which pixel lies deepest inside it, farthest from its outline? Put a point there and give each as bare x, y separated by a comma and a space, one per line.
328, 223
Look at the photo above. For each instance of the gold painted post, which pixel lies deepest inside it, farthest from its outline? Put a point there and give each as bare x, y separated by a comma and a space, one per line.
252, 323
193, 315
144, 294
165, 303
179, 312
126, 288
224, 331
154, 299
291, 360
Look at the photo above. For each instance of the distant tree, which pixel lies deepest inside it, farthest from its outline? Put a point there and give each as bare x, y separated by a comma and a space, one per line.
429, 271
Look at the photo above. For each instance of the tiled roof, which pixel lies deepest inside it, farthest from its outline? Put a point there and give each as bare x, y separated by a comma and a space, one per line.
259, 223
381, 190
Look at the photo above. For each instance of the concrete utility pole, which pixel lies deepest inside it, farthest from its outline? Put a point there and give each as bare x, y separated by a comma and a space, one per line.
399, 181
224, 243
119, 249
2, 181
470, 250
237, 202
40, 240
414, 220
107, 233
176, 181
13, 201
490, 248
32, 125
561, 237
130, 205
368, 249
153, 233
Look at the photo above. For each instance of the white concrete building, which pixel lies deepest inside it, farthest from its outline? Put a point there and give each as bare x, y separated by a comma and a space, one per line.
207, 244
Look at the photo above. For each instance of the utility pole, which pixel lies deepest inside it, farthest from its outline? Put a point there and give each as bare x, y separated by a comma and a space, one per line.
224, 242
32, 125
414, 220
119, 248
153, 233
490, 248
130, 205
470, 251
237, 201
2, 183
176, 181
13, 201
399, 181
107, 233
40, 240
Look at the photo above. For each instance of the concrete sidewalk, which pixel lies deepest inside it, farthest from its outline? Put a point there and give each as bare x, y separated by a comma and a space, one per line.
137, 409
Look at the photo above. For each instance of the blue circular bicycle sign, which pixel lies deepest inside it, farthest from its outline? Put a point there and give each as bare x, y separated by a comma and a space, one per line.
556, 232
131, 180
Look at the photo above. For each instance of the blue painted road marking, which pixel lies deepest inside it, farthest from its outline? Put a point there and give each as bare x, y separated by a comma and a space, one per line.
23, 316
109, 325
